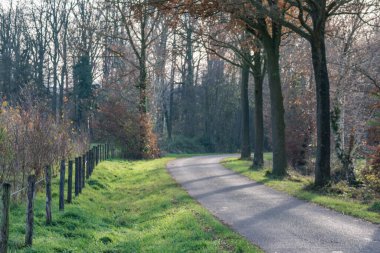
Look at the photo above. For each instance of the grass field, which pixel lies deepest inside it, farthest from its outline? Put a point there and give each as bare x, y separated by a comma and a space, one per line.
299, 186
127, 207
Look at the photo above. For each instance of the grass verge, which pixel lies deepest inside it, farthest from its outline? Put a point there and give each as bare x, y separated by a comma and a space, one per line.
299, 187
127, 207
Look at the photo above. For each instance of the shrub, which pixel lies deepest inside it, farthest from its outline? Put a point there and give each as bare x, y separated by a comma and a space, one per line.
371, 174
31, 138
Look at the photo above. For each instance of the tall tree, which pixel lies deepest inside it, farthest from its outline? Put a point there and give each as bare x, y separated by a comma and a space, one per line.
309, 19
269, 34
139, 20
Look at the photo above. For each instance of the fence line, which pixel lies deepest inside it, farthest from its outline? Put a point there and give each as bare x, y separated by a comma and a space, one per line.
84, 166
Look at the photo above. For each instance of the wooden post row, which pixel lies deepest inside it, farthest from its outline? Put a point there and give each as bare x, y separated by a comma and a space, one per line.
4, 222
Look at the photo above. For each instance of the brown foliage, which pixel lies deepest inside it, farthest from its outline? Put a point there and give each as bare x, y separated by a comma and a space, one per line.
119, 121
31, 138
148, 140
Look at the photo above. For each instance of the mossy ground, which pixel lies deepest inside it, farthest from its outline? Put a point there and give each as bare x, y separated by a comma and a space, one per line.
337, 197
127, 206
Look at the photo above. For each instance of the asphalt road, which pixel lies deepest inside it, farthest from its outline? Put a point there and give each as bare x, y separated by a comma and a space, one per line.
272, 220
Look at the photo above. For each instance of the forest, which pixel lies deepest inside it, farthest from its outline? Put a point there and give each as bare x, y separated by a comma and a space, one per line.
143, 80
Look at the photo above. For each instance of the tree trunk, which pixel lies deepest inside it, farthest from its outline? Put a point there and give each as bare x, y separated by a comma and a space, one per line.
245, 140
188, 84
169, 117
277, 111
64, 76
55, 76
322, 167
143, 110
258, 76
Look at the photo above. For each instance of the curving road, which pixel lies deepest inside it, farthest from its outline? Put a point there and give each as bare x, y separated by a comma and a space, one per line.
272, 220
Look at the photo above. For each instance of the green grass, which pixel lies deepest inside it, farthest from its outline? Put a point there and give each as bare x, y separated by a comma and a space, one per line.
299, 186
127, 207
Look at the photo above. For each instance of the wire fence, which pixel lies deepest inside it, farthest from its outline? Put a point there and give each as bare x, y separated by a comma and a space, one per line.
24, 188
84, 166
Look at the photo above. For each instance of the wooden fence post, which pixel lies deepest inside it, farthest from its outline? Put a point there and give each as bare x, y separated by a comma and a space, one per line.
91, 161
70, 183
80, 174
48, 194
97, 154
30, 210
93, 158
100, 152
76, 177
88, 165
84, 170
4, 222
62, 186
